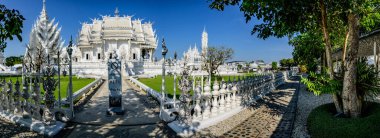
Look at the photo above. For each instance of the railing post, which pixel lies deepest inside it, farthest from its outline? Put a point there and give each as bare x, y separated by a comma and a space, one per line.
10, 108
215, 95
206, 97
197, 97
25, 96
16, 97
234, 90
228, 96
222, 97
2, 95
36, 98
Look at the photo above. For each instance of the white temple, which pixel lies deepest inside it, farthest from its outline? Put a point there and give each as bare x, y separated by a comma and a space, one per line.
132, 39
193, 56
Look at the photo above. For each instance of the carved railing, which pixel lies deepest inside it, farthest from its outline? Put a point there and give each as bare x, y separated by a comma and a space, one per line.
217, 102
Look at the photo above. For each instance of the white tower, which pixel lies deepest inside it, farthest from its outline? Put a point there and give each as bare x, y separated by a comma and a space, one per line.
204, 41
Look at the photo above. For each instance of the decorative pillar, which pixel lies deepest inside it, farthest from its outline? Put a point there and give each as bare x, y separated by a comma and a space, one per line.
2, 86
197, 107
162, 100
16, 97
36, 98
215, 95
115, 86
70, 91
10, 108
228, 96
206, 97
222, 95
234, 90
49, 85
25, 104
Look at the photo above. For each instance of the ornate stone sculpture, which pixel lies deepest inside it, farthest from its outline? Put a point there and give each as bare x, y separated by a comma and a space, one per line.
49, 85
115, 86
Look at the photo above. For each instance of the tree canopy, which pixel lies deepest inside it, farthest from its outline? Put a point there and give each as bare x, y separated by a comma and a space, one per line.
12, 60
11, 23
214, 57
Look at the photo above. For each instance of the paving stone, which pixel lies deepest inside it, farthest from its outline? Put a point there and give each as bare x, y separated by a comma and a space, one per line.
275, 117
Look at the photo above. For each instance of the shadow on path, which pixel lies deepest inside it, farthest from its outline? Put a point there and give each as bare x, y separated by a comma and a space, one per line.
275, 114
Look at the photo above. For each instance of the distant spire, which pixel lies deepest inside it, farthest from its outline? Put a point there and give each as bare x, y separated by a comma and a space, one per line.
204, 28
44, 5
116, 12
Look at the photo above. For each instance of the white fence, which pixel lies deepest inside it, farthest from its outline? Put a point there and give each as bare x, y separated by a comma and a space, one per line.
216, 102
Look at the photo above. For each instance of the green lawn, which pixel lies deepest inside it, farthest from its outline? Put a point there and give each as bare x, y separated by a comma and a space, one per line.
322, 123
155, 83
78, 83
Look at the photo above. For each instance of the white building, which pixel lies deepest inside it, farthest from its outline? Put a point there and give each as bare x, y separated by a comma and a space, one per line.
133, 40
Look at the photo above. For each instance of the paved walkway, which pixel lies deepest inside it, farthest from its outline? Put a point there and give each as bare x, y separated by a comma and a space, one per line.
274, 116
141, 118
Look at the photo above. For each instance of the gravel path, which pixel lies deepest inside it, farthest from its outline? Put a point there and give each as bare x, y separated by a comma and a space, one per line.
307, 101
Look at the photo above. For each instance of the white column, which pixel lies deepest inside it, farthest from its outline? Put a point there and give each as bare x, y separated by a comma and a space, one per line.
206, 97
222, 96
215, 95
228, 96
197, 107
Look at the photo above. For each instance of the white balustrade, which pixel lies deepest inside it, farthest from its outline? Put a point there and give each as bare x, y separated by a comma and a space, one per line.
222, 97
215, 95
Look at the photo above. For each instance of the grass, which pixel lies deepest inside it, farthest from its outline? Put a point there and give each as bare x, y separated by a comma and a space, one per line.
155, 83
322, 123
78, 83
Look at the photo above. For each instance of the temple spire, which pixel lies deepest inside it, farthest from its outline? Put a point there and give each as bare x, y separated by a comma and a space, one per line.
43, 5
116, 12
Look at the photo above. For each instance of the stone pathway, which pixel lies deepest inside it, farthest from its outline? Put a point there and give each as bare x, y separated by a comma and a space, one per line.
141, 118
274, 116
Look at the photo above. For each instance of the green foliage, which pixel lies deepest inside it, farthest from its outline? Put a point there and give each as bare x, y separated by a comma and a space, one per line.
322, 123
308, 48
274, 65
11, 23
287, 63
12, 60
215, 57
367, 79
322, 84
277, 17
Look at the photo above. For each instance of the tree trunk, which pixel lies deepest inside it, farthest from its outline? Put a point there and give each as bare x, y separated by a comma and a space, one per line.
352, 104
337, 102
344, 50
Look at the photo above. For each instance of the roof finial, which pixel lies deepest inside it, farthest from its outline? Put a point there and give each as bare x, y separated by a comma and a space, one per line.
44, 5
116, 12
204, 28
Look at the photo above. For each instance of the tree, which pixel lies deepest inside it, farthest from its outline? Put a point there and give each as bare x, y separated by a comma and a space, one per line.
12, 60
287, 63
274, 65
216, 56
308, 48
11, 23
286, 18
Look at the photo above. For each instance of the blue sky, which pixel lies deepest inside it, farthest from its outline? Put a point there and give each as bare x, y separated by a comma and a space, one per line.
181, 22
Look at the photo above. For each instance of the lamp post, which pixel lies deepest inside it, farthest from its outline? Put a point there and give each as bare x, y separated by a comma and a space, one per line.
164, 51
175, 79
59, 80
71, 100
